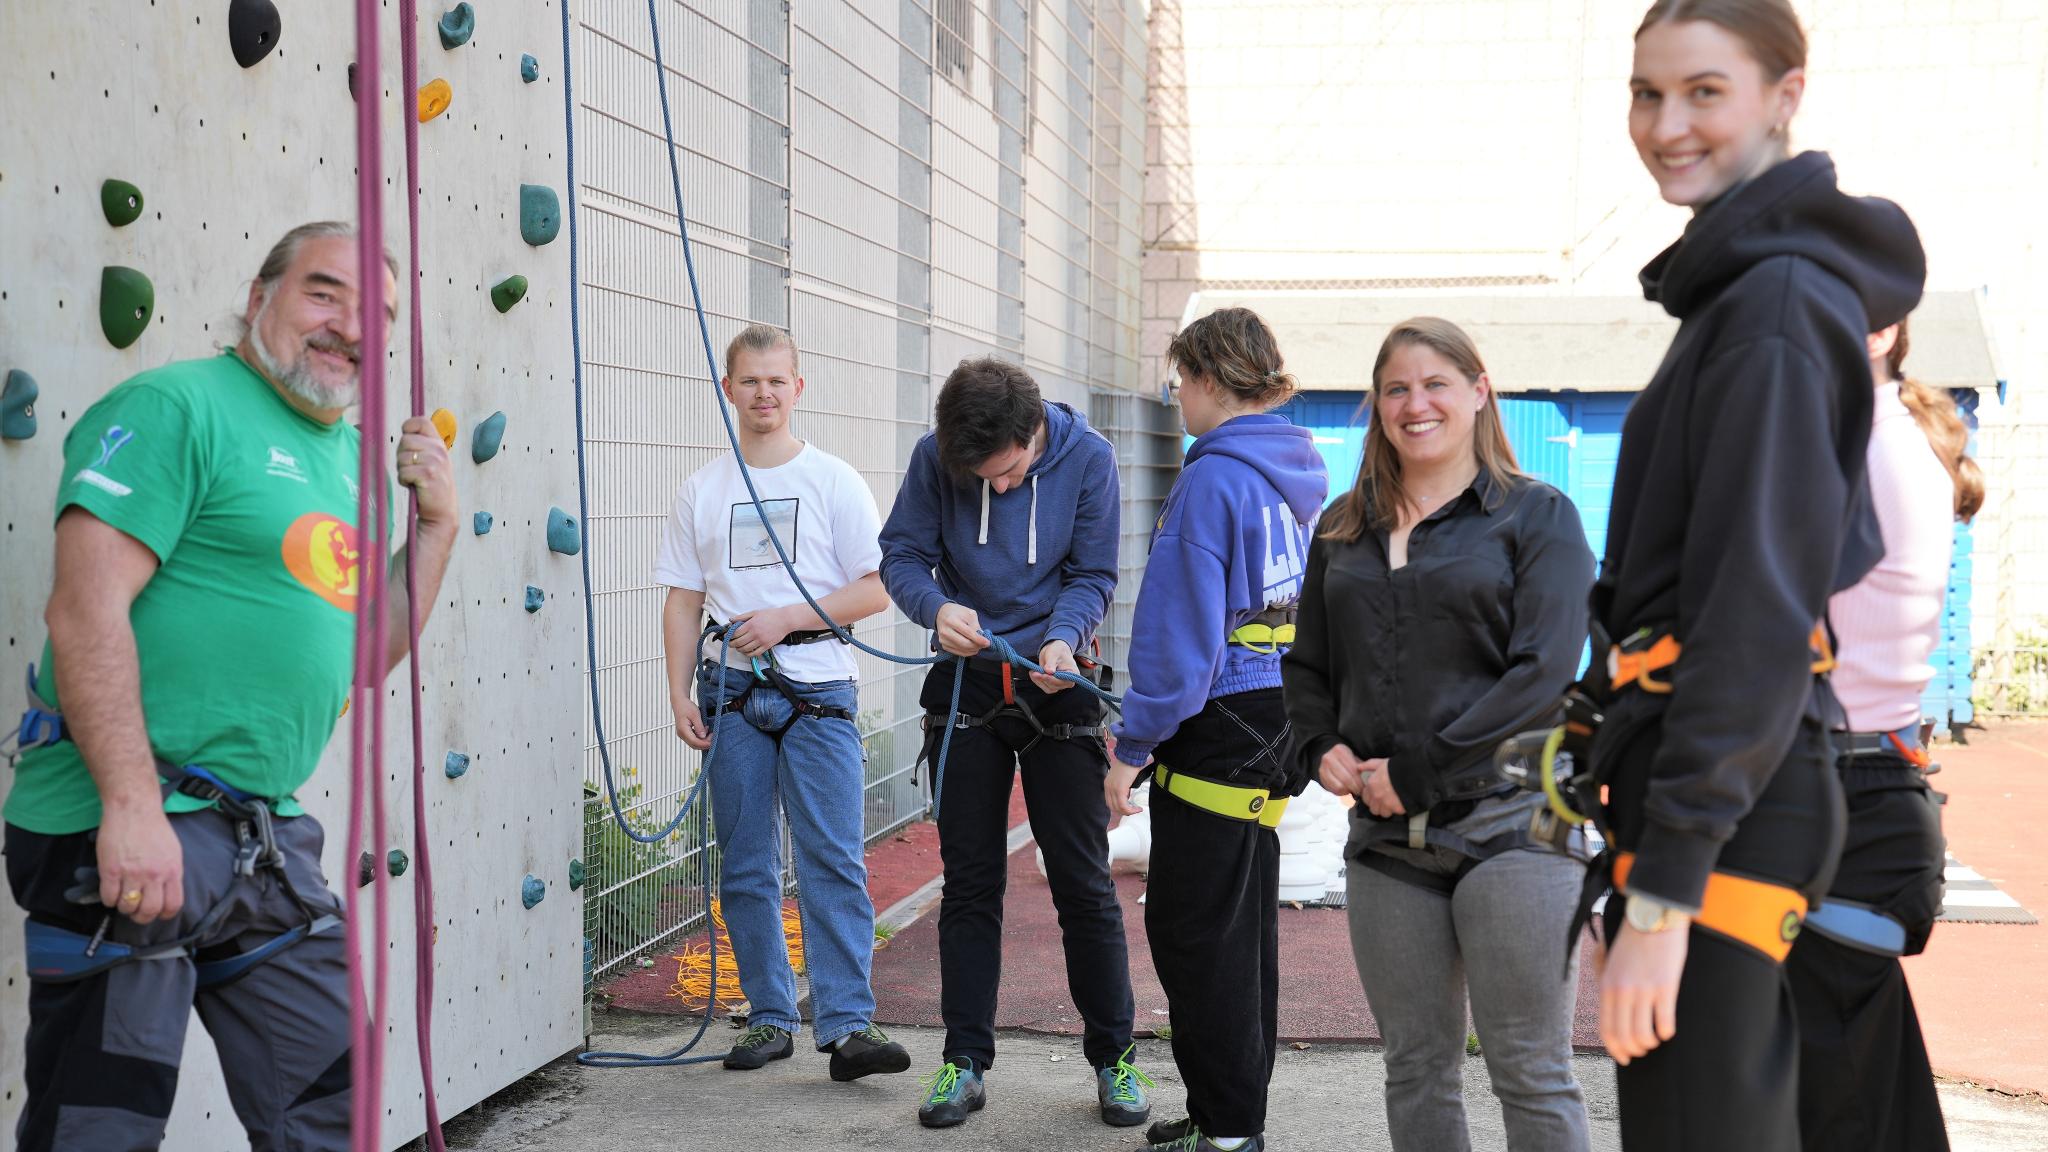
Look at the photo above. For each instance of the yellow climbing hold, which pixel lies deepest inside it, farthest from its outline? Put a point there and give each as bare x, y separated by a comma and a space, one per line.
444, 423
434, 99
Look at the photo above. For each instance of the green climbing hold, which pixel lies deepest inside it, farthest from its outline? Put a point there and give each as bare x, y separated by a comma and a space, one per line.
488, 434
529, 68
126, 301
455, 765
121, 201
563, 534
532, 891
18, 406
458, 24
535, 598
397, 861
481, 522
540, 214
576, 875
507, 292
253, 29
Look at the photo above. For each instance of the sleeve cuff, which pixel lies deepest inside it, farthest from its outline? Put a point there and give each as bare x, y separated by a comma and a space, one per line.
1312, 753
1134, 753
1066, 633
928, 606
1414, 781
1672, 866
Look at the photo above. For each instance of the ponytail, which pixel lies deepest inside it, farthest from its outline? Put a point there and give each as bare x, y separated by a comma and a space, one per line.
1935, 412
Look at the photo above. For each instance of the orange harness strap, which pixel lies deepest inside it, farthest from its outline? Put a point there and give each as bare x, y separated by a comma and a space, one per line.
1756, 913
1636, 669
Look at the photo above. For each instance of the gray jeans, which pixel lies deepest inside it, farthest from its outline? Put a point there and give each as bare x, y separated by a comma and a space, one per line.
1500, 936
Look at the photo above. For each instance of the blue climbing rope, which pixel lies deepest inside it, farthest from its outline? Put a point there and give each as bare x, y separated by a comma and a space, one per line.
999, 647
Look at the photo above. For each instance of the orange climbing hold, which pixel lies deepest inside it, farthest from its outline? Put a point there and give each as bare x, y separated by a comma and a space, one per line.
435, 97
444, 423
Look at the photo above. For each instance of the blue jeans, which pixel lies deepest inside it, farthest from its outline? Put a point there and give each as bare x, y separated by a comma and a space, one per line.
816, 774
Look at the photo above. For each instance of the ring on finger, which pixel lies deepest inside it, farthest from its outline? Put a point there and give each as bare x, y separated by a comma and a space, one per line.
132, 896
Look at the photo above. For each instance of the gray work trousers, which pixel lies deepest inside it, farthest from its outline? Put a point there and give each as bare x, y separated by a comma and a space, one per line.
103, 1052
1499, 936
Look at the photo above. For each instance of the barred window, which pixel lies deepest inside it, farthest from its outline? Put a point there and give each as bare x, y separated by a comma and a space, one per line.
956, 37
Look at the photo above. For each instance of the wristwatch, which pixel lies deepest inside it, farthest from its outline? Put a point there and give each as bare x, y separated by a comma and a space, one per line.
1645, 914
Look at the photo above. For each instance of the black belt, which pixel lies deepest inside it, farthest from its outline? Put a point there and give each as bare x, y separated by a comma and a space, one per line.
809, 636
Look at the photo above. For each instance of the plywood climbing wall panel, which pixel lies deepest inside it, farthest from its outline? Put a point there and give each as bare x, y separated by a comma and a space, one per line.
227, 159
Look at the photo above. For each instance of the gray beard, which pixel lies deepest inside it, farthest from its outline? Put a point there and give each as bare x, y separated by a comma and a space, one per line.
296, 378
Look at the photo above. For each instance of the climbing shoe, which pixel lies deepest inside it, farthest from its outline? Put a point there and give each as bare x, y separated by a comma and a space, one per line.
1120, 1090
1191, 1140
760, 1044
1167, 1131
867, 1052
951, 1093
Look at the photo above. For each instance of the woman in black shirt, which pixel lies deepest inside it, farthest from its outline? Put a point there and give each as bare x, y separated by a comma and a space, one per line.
1442, 611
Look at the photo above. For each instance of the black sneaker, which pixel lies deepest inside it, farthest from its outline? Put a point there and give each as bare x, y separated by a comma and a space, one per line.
867, 1052
1191, 1140
952, 1092
760, 1044
1167, 1131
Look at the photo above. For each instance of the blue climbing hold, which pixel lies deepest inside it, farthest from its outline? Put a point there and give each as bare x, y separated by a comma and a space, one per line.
529, 68
577, 874
540, 214
18, 406
456, 764
534, 598
484, 440
563, 534
532, 891
458, 24
482, 522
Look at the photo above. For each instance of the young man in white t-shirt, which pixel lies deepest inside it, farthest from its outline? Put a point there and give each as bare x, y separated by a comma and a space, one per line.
786, 730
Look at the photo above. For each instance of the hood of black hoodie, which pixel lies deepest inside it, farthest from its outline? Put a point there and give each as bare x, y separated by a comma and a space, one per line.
1795, 209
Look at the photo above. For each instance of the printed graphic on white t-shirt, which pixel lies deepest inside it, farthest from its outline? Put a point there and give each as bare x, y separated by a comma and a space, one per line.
748, 545
714, 542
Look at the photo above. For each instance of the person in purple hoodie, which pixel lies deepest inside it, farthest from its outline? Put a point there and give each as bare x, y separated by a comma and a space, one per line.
1204, 715
1006, 525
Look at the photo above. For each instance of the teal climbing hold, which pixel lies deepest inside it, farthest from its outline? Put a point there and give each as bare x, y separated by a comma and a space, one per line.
397, 862
455, 765
507, 292
481, 522
458, 24
563, 534
529, 68
540, 214
121, 201
532, 891
489, 433
18, 406
576, 875
535, 598
127, 299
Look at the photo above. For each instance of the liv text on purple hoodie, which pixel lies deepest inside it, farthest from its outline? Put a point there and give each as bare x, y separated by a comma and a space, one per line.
1230, 543
1036, 563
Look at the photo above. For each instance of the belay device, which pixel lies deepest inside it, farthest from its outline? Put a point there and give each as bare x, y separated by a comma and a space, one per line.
1558, 763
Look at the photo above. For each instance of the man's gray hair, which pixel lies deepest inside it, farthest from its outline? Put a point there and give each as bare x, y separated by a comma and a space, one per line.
287, 249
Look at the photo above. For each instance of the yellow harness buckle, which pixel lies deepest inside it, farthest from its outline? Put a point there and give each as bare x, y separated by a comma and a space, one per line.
1226, 800
1264, 638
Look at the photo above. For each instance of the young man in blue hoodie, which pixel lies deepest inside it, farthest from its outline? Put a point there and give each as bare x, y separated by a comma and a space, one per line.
1007, 525
1204, 715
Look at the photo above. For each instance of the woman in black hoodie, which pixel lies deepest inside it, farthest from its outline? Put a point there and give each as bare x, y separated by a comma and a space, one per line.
1739, 507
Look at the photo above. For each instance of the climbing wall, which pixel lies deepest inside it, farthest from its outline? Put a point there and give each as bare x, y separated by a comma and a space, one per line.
225, 158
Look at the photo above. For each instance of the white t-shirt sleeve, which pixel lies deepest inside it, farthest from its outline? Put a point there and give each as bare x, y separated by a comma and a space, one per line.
856, 525
675, 561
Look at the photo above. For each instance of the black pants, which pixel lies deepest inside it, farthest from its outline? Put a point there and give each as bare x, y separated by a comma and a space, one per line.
1211, 915
1865, 1083
1729, 1080
1069, 820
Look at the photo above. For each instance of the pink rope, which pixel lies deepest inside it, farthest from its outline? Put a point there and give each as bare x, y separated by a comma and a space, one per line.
423, 879
366, 718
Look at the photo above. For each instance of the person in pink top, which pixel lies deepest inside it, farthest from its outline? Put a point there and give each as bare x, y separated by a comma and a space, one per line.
1864, 1078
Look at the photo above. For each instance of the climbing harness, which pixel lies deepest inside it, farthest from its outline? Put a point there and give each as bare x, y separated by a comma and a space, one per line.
1633, 662
1903, 743
1226, 800
1757, 913
768, 675
1858, 926
1266, 633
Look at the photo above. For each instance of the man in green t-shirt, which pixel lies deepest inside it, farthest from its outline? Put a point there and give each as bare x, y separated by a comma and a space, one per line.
201, 639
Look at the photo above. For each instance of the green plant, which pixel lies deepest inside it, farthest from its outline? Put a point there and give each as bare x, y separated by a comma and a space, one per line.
627, 881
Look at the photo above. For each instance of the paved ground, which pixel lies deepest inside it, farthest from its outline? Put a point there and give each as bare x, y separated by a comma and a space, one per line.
1326, 1099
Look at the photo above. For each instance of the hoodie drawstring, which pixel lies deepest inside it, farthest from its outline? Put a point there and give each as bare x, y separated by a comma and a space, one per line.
1031, 546
983, 538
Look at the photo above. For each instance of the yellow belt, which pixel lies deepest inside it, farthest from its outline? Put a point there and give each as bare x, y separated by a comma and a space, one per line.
1263, 637
1226, 800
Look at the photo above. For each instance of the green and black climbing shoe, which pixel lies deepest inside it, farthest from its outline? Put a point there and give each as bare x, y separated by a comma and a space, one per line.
1120, 1090
951, 1093
1191, 1140
1167, 1131
867, 1052
759, 1045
